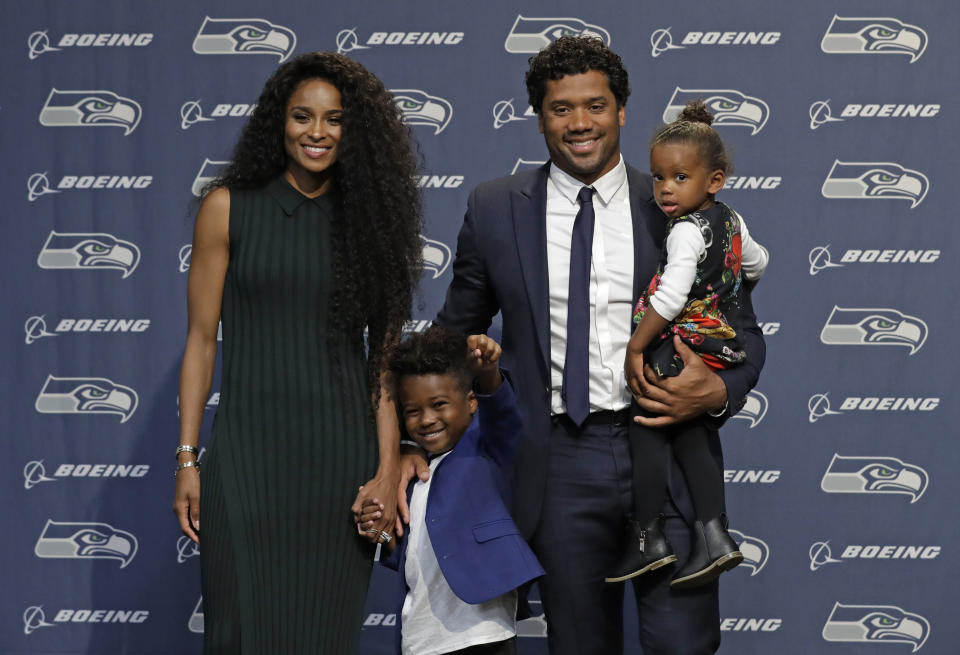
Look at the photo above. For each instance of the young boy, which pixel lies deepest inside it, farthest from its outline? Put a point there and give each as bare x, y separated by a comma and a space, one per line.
462, 558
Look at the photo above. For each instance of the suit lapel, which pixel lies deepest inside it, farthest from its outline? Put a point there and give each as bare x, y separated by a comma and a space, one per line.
529, 210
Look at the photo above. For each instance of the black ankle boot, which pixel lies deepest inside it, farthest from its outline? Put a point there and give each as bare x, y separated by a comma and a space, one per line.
714, 552
647, 549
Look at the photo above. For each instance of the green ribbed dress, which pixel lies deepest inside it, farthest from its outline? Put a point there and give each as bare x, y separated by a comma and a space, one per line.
284, 572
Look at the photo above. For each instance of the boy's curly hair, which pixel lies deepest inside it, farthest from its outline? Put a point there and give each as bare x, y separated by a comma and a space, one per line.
575, 55
436, 350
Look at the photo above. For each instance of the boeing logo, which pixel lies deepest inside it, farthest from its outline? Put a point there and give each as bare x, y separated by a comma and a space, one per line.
876, 624
756, 552
880, 36
873, 327
88, 250
436, 256
750, 625
754, 409
730, 108
348, 41
661, 40
36, 327
39, 185
243, 36
191, 112
38, 42
186, 548
819, 405
820, 113
874, 475
420, 108
34, 472
821, 554
86, 396
531, 35
820, 258
504, 112
61, 540
184, 257
34, 619
90, 109
875, 181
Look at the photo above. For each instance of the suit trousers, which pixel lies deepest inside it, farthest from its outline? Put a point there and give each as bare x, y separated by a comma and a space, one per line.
579, 539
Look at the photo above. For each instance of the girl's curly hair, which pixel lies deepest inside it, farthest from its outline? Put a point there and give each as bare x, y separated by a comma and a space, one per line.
376, 239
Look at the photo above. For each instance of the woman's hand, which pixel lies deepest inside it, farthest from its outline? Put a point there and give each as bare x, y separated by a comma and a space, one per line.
186, 502
378, 496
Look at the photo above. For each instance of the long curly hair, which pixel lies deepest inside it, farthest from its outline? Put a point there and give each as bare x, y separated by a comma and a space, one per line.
574, 55
377, 251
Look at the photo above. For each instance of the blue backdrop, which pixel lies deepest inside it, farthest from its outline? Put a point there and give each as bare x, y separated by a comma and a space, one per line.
840, 117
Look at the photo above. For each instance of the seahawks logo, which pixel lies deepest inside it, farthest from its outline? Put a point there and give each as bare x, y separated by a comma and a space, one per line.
209, 170
531, 35
880, 475
85, 541
88, 250
90, 109
873, 327
243, 36
875, 181
420, 108
436, 256
730, 108
876, 623
526, 165
195, 623
754, 408
86, 396
755, 551
877, 36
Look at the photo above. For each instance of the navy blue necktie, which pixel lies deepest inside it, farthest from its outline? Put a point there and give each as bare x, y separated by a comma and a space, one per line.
576, 367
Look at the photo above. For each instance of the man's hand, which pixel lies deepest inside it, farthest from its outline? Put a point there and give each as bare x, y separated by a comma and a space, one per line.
676, 399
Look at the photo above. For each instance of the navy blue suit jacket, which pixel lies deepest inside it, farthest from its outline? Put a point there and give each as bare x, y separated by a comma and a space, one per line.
501, 266
478, 546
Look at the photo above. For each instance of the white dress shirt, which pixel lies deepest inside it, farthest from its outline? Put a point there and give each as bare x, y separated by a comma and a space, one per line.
433, 619
611, 283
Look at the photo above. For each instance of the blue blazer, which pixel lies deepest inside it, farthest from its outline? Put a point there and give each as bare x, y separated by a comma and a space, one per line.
501, 266
478, 546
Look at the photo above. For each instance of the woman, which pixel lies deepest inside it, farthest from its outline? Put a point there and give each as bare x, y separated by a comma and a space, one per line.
301, 244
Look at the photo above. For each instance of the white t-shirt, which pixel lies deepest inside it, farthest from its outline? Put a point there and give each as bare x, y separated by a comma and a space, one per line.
685, 248
434, 620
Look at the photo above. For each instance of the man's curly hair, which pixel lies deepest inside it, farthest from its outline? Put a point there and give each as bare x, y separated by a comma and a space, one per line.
436, 350
376, 240
574, 55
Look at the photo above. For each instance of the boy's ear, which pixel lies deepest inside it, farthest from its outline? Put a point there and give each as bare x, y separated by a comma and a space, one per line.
717, 179
472, 399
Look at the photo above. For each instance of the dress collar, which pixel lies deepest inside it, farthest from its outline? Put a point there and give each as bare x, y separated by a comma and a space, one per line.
290, 199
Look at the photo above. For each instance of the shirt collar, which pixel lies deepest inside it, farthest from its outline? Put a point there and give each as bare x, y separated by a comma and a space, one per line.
289, 198
605, 187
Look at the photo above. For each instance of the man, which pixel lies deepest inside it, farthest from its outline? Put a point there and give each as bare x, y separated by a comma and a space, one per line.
522, 251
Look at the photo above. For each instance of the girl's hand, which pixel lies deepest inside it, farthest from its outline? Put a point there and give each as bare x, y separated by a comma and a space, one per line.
186, 502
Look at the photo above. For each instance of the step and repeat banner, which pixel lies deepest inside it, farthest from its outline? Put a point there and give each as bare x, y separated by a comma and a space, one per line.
842, 122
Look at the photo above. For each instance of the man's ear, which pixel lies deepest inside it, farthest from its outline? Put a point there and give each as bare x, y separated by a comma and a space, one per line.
540, 121
717, 179
622, 115
472, 399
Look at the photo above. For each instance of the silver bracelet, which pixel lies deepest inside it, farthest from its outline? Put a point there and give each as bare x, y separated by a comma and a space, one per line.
183, 448
186, 465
